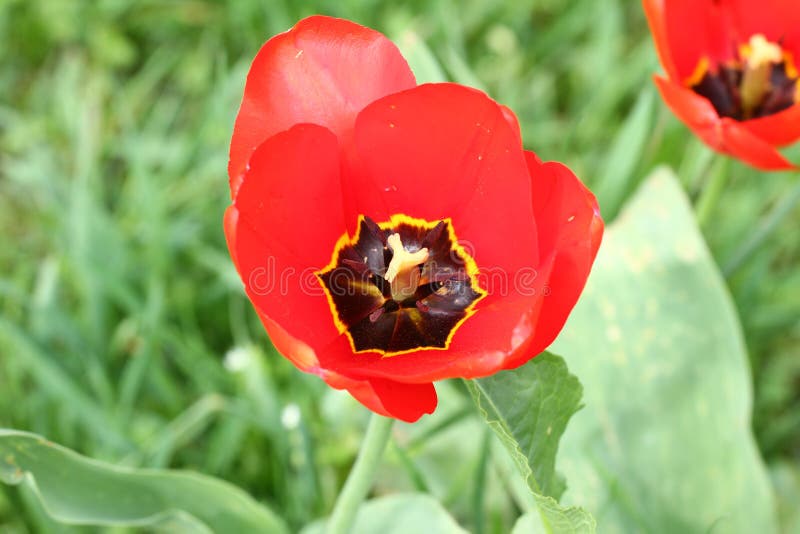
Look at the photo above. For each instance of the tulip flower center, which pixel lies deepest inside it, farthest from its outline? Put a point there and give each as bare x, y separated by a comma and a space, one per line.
762, 81
400, 286
403, 273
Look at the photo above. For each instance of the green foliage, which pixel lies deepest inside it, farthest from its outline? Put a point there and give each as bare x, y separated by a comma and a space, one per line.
664, 442
616, 179
397, 514
528, 408
786, 480
76, 490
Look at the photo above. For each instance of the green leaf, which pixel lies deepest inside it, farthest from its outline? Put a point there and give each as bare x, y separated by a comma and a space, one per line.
529, 523
533, 427
398, 514
664, 443
77, 490
528, 408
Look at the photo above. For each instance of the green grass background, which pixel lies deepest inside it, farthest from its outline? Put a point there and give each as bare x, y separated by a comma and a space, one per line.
124, 332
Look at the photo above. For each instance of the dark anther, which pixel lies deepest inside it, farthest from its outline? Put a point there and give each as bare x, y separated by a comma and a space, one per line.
723, 90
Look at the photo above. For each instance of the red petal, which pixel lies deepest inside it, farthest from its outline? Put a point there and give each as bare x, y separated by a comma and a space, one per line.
570, 231
290, 218
694, 110
738, 141
322, 71
723, 135
777, 20
445, 150
483, 345
654, 11
501, 335
513, 122
293, 349
407, 402
691, 108
694, 29
229, 223
361, 390
780, 129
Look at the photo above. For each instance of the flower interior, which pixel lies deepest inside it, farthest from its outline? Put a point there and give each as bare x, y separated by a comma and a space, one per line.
400, 286
761, 81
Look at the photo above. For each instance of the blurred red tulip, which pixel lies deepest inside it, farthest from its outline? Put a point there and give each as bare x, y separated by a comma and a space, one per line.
390, 235
732, 73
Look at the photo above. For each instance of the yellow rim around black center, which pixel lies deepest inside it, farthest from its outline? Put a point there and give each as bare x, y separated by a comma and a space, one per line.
427, 316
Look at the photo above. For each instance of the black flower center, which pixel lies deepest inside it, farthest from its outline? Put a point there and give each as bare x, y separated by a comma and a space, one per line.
762, 82
401, 286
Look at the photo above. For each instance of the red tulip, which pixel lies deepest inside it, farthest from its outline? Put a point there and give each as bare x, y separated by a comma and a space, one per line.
390, 235
732, 74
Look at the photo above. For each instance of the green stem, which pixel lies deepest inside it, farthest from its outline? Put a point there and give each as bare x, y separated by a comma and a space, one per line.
713, 191
479, 489
361, 476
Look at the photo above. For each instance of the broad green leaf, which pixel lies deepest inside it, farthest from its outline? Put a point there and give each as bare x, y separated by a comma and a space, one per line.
398, 514
664, 442
77, 490
528, 408
529, 523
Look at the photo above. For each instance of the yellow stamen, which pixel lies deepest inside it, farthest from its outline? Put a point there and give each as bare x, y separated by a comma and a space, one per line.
789, 65
699, 72
760, 55
758, 51
402, 273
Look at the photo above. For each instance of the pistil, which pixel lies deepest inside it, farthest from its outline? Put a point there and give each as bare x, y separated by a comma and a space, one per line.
403, 273
760, 56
